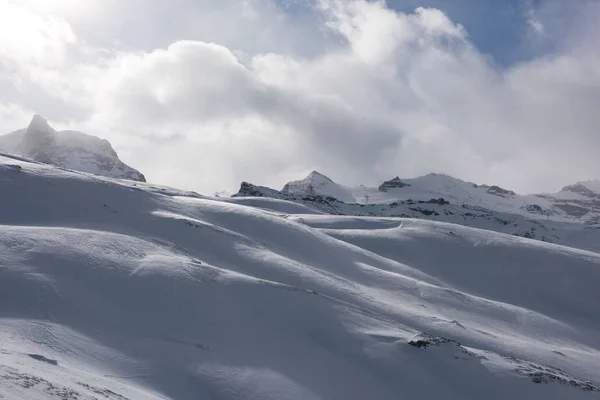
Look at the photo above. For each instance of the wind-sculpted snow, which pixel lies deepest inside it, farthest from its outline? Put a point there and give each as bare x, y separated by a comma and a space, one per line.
121, 290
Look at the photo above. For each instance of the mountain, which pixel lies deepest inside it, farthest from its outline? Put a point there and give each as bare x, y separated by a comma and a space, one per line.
570, 217
424, 188
67, 149
395, 183
318, 184
581, 200
111, 289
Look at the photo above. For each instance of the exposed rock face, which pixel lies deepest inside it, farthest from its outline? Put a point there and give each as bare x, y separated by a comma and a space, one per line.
250, 190
68, 149
536, 209
395, 183
498, 191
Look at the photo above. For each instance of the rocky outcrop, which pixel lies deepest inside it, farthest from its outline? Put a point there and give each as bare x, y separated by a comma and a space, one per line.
395, 183
498, 191
250, 190
536, 209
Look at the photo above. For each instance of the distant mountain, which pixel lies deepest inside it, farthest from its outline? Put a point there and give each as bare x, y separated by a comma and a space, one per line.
318, 184
67, 149
570, 217
581, 200
395, 183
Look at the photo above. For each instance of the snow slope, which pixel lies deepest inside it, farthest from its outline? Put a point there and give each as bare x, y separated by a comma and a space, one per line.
67, 149
125, 290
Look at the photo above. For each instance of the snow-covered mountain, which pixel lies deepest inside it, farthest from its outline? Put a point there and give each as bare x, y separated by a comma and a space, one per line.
318, 184
431, 186
581, 200
112, 289
67, 149
570, 217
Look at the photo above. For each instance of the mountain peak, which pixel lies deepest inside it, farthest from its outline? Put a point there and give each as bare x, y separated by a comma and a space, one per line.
318, 184
394, 183
38, 136
39, 123
68, 149
316, 175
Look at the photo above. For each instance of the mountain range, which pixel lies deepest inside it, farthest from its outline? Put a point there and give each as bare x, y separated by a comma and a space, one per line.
570, 216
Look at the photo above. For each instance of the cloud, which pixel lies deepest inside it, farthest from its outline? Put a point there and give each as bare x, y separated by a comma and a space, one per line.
27, 38
397, 94
533, 21
247, 26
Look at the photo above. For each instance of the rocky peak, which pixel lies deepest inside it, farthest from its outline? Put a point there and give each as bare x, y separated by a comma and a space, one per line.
38, 135
315, 175
395, 183
39, 123
310, 182
250, 190
67, 149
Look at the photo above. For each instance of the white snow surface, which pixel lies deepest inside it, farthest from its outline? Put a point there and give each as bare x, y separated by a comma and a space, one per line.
115, 289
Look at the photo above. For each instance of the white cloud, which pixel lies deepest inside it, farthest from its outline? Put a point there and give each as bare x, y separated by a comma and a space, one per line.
26, 37
402, 94
534, 22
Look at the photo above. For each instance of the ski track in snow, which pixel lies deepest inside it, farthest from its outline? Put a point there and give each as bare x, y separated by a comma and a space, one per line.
124, 290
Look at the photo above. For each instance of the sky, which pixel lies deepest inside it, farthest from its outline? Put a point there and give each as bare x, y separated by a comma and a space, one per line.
204, 94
